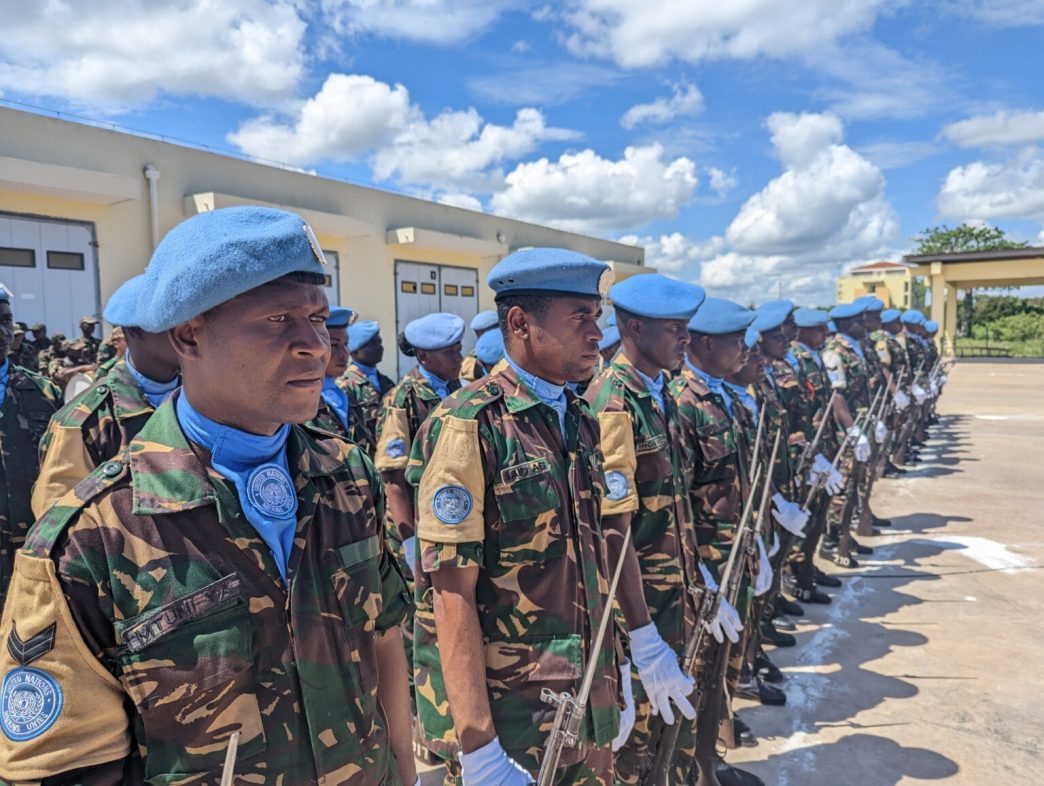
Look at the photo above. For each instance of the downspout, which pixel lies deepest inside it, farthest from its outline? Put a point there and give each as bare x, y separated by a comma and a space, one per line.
152, 175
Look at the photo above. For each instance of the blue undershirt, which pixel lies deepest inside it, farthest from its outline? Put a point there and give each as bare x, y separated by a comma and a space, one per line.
655, 388
155, 392
552, 395
336, 399
438, 384
715, 384
371, 374
5, 374
855, 345
743, 394
815, 354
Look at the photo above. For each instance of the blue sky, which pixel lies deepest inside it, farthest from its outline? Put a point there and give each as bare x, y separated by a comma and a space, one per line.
750, 146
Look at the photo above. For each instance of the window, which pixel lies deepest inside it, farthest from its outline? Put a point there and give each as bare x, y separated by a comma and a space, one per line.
449, 290
17, 257
64, 260
428, 289
409, 287
467, 291
327, 281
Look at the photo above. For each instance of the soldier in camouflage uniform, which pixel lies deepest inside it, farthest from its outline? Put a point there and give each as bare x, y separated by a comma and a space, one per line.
513, 573
472, 368
215, 580
52, 355
111, 348
892, 353
878, 375
649, 493
97, 425
88, 326
22, 353
338, 412
40, 343
362, 381
27, 402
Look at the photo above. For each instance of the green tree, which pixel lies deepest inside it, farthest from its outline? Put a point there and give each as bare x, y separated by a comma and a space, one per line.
953, 240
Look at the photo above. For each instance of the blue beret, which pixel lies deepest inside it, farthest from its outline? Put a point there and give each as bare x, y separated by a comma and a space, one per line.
215, 256
484, 320
912, 317
871, 303
122, 308
655, 296
832, 326
610, 336
931, 326
810, 317
550, 270
847, 310
751, 337
718, 317
611, 320
490, 347
362, 333
783, 304
5, 293
890, 315
435, 331
341, 317
769, 317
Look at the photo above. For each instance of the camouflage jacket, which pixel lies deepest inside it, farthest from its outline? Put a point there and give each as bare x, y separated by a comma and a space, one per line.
713, 461
847, 372
499, 488
166, 625
918, 354
29, 402
91, 429
812, 376
26, 356
875, 376
779, 417
891, 349
106, 351
645, 464
326, 420
357, 385
472, 369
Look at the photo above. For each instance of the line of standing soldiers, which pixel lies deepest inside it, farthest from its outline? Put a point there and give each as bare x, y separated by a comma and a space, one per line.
598, 540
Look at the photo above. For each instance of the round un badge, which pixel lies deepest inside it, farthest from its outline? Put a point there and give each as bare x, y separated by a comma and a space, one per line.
270, 491
30, 703
616, 486
396, 448
451, 504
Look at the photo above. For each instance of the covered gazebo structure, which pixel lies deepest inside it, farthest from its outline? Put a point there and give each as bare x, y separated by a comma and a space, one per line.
946, 274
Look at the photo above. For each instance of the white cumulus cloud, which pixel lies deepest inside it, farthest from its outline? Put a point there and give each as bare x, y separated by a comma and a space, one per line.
675, 252
686, 101
117, 53
1000, 128
584, 192
1000, 189
721, 182
429, 21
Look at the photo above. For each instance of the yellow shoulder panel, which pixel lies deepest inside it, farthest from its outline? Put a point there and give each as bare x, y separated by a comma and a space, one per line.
393, 448
452, 492
617, 435
65, 464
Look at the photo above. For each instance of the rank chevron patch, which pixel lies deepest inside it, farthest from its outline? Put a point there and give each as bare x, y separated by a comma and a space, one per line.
25, 652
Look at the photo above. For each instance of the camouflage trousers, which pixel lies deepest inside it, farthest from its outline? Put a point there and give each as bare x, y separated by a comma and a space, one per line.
595, 770
637, 753
839, 516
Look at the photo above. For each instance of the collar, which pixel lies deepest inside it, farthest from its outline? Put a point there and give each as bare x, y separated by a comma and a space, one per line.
851, 342
155, 392
421, 384
369, 372
814, 354
545, 391
714, 383
745, 397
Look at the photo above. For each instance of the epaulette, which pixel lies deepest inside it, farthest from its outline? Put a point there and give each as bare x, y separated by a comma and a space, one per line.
471, 399
28, 380
47, 530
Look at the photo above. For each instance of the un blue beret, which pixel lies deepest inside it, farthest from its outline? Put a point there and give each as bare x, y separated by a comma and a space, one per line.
781, 305
362, 333
122, 308
5, 293
810, 317
611, 320
832, 326
490, 347
931, 326
912, 317
890, 315
768, 317
215, 256
847, 310
435, 331
657, 297
718, 317
341, 317
550, 270
871, 303
751, 337
484, 320
610, 336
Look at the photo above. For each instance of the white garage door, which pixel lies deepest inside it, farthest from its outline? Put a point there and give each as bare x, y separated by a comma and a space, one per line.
51, 268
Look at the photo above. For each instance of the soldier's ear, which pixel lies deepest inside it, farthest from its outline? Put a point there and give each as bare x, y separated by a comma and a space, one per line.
185, 338
518, 322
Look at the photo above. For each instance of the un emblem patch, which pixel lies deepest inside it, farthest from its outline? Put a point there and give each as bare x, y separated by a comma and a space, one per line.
451, 504
396, 448
271, 492
30, 703
616, 486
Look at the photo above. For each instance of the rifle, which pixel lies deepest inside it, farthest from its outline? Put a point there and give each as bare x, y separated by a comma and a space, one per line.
570, 710
820, 480
810, 450
228, 772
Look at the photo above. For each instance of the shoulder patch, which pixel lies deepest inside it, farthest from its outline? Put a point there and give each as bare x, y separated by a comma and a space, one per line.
617, 438
451, 504
30, 703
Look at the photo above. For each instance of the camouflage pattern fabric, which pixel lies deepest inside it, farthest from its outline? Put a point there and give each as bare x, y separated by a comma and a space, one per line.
769, 395
357, 433
357, 385
26, 356
176, 595
106, 352
543, 575
848, 376
471, 369
28, 405
663, 537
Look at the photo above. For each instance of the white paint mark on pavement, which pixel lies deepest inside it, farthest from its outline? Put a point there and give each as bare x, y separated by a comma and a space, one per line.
990, 553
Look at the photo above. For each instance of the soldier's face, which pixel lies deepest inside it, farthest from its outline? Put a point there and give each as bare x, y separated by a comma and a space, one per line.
790, 328
565, 338
872, 321
258, 361
661, 341
752, 370
16, 341
338, 352
853, 327
722, 356
6, 329
775, 343
813, 337
371, 353
444, 363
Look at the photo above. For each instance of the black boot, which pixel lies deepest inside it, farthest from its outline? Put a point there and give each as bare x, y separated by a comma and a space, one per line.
811, 595
892, 471
741, 731
731, 776
773, 636
859, 548
784, 606
756, 690
825, 579
767, 670
845, 561
877, 521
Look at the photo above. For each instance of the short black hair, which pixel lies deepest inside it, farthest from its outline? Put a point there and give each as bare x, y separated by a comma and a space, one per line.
537, 305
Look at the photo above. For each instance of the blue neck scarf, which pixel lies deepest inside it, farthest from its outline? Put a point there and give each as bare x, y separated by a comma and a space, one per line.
655, 388
438, 384
855, 345
770, 377
744, 396
155, 392
814, 354
792, 360
336, 399
5, 374
716, 384
371, 374
258, 467
552, 395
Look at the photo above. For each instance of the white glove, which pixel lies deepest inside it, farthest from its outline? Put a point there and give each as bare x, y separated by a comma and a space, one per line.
774, 548
660, 674
726, 622
835, 484
902, 401
708, 579
491, 766
862, 444
934, 387
627, 715
418, 781
789, 515
920, 394
763, 582
880, 432
409, 548
943, 379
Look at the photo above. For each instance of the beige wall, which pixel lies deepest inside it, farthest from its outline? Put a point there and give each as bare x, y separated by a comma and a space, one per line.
58, 169
895, 288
